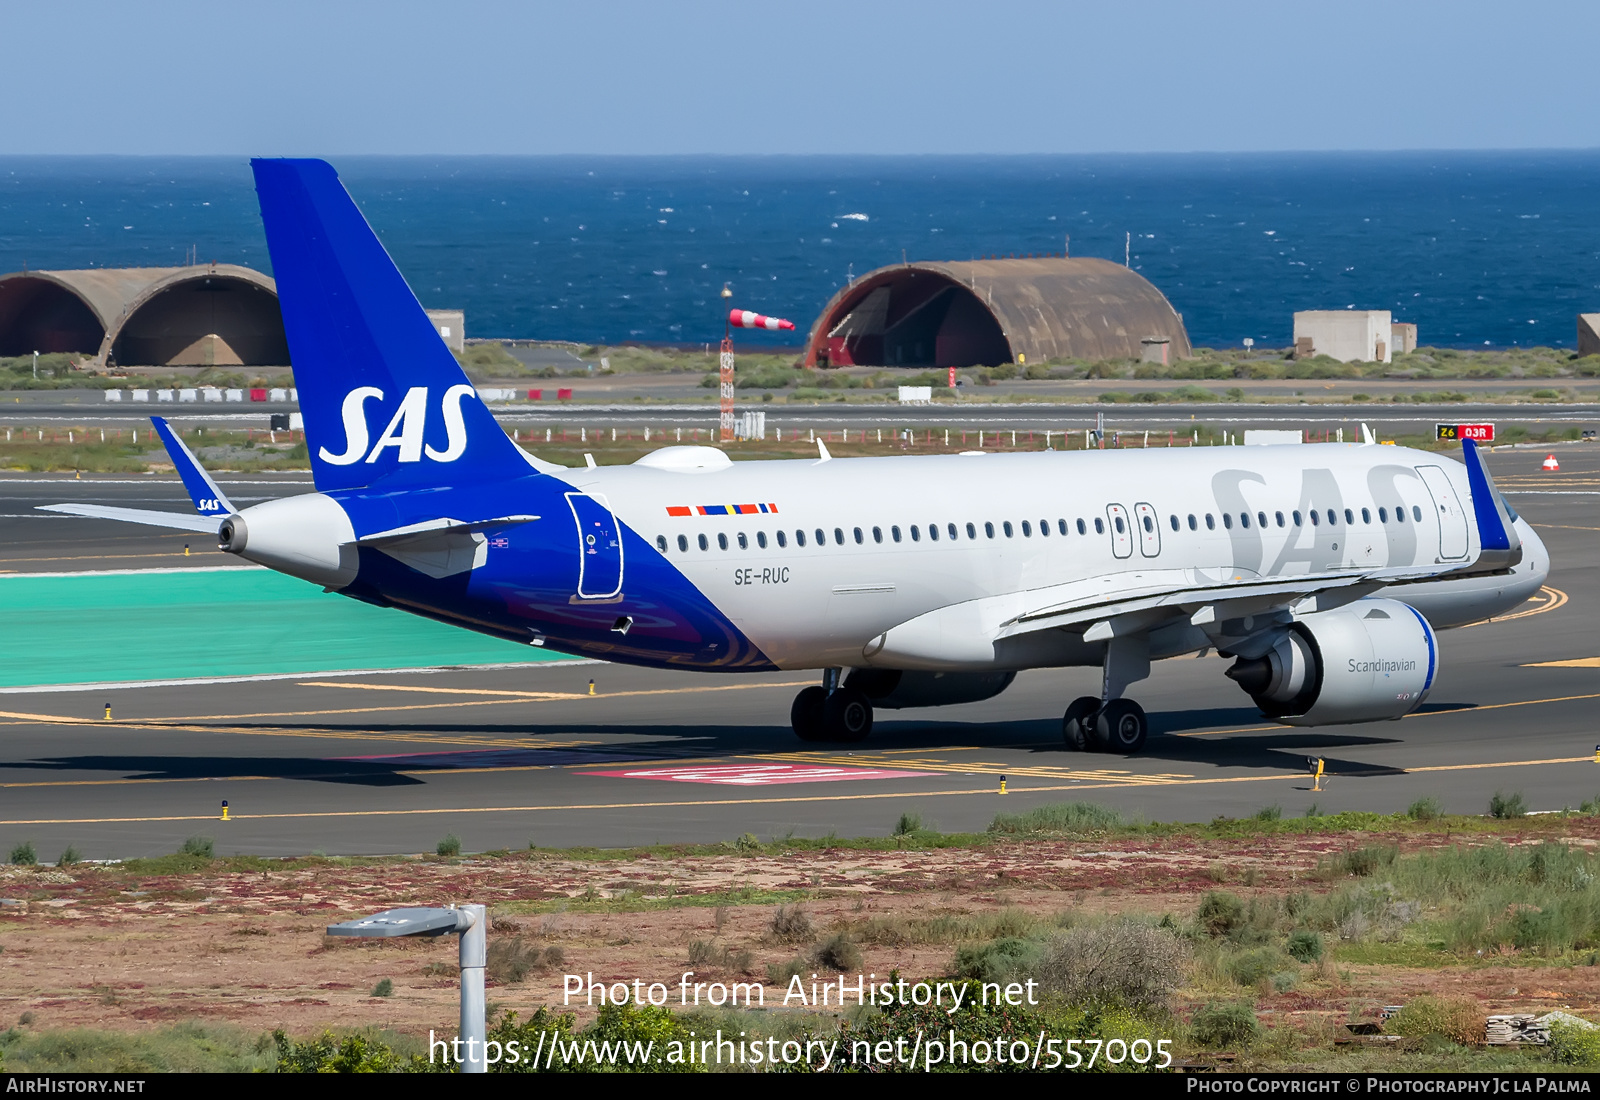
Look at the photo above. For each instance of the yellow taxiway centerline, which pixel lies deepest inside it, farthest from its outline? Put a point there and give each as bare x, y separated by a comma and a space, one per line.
988, 790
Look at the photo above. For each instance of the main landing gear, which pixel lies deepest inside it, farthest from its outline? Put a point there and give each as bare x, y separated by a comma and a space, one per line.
831, 712
1111, 723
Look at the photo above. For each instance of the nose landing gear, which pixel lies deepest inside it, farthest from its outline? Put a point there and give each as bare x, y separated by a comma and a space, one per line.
831, 712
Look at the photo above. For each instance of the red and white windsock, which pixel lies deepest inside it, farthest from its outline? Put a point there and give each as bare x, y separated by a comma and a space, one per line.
743, 318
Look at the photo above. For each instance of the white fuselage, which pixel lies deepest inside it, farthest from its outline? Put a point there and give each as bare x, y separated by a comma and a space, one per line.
840, 551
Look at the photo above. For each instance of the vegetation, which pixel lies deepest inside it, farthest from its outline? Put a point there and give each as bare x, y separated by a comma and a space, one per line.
449, 847
24, 855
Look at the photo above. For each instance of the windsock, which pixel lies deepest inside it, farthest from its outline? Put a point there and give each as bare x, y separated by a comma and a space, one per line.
743, 318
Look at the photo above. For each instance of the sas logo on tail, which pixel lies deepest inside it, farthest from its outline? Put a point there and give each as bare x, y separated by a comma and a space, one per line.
405, 430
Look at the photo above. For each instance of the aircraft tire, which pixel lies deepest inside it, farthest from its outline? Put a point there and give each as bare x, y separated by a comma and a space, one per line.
1121, 727
847, 716
806, 714
1077, 725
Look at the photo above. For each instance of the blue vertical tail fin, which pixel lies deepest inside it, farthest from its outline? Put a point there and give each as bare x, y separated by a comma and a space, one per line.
384, 401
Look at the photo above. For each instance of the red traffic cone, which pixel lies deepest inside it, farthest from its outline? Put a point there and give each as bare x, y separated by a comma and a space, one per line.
1550, 464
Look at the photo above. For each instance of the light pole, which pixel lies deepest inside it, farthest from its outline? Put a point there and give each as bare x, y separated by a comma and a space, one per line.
471, 922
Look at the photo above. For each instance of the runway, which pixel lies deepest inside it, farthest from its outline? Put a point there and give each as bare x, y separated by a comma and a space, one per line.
379, 762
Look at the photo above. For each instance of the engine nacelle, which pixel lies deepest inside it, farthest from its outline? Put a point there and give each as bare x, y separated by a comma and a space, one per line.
1368, 661
893, 689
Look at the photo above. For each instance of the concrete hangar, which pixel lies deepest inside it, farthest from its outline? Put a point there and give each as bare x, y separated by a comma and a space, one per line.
207, 315
986, 312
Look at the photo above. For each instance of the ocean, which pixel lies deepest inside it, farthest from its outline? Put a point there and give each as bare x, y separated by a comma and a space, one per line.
1498, 249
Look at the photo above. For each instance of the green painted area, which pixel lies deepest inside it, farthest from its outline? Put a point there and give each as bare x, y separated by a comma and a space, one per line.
233, 622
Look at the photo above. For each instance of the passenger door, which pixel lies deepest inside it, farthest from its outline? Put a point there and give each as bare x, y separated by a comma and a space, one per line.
1149, 530
1121, 530
599, 548
1451, 517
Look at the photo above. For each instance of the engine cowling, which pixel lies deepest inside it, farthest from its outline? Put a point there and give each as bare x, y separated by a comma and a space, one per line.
893, 689
1371, 660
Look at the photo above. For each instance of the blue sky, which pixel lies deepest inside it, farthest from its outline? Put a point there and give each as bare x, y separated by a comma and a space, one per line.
930, 76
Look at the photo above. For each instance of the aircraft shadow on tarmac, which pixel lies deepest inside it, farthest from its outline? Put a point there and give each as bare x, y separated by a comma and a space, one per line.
1253, 745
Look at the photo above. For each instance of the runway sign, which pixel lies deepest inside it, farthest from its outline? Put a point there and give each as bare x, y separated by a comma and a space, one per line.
757, 775
1478, 433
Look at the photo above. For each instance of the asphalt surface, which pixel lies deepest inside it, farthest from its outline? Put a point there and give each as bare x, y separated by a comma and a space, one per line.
47, 410
369, 763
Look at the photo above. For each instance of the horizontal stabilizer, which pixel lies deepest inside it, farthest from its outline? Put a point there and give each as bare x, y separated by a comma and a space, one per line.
204, 524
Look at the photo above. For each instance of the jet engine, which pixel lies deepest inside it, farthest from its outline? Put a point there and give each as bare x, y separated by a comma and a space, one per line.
1370, 660
894, 689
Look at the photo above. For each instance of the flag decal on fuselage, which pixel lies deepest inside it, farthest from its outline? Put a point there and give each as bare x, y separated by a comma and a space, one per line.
721, 509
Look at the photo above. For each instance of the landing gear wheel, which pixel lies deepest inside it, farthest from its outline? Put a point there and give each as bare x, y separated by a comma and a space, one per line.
847, 715
806, 714
1078, 723
1121, 727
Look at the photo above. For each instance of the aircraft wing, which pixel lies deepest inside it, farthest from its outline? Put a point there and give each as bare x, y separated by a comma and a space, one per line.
1232, 611
204, 524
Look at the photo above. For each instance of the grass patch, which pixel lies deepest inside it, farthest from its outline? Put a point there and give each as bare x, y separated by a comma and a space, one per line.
1058, 817
1505, 806
181, 1048
448, 847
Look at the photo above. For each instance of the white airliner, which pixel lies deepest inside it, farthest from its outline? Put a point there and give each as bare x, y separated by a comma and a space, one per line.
1323, 569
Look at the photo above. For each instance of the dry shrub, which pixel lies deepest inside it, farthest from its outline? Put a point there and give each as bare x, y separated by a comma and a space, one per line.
790, 924
510, 959
838, 952
1458, 1019
1118, 963
713, 956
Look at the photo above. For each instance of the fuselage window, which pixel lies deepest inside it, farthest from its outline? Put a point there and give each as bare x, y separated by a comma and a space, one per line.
761, 539
933, 532
1149, 524
894, 533
877, 534
838, 536
782, 540
1333, 517
1006, 527
703, 544
1099, 526
722, 541
1262, 518
1211, 524
1120, 525
1349, 516
1416, 513
799, 537
1193, 526
1027, 529
683, 543
1314, 517
972, 532
661, 543
1174, 521
1400, 514
1295, 515
1061, 525
1082, 530
744, 543
988, 529
951, 531
1383, 515
1244, 520
1227, 520
1279, 517
1044, 528
860, 538
1366, 515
